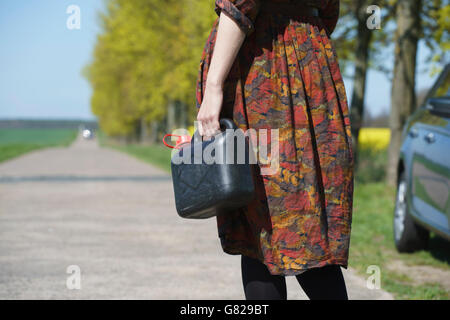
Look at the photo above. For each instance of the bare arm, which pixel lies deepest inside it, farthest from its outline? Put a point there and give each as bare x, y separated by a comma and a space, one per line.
228, 42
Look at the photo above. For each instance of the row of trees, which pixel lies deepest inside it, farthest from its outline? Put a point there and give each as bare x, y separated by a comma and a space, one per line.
404, 23
146, 60
145, 64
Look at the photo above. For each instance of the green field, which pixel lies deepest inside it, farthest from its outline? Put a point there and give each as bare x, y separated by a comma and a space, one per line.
14, 142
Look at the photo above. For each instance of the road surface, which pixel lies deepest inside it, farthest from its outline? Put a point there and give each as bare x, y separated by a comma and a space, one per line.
113, 218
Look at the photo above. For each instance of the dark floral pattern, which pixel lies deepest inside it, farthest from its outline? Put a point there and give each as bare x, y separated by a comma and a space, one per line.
287, 77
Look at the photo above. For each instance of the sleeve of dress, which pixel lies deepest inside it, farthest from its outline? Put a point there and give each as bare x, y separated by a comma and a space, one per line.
243, 12
330, 15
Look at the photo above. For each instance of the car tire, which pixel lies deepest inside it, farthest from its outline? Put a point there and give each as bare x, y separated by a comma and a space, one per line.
408, 235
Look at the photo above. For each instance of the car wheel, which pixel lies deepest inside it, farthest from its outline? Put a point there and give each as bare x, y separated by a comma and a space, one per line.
408, 236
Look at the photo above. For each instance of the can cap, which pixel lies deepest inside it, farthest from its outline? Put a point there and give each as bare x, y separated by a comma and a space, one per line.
182, 139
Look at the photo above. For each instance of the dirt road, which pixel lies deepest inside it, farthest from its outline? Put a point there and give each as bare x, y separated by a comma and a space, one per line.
114, 218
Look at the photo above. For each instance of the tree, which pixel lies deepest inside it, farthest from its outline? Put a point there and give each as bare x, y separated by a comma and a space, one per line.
361, 60
409, 16
357, 44
145, 64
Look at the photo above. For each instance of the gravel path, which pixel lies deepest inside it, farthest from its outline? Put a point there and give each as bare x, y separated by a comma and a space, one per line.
112, 216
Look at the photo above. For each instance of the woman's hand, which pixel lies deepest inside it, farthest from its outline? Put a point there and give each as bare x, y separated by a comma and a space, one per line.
208, 115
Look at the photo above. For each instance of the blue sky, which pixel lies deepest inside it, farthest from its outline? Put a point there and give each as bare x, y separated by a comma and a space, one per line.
41, 61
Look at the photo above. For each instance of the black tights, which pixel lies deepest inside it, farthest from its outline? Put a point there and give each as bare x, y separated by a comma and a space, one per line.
324, 283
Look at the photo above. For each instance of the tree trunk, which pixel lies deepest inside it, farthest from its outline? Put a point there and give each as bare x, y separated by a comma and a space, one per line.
153, 131
146, 132
403, 99
170, 124
183, 115
363, 38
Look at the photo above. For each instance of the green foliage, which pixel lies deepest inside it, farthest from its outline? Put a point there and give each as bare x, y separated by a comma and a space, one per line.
147, 55
371, 165
435, 25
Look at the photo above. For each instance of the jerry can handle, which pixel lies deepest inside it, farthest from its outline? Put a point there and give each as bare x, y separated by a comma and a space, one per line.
225, 123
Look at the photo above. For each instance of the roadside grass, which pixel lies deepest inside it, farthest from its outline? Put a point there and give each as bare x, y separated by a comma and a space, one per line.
15, 142
372, 241
158, 156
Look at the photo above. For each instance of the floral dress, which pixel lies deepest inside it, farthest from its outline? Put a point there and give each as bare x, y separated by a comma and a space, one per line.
286, 77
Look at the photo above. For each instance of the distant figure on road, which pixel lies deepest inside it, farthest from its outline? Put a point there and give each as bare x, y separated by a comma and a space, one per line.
271, 65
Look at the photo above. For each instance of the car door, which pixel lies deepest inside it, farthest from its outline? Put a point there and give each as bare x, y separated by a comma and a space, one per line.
430, 170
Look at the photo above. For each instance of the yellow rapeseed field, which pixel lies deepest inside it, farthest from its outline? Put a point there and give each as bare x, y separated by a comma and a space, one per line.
374, 138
